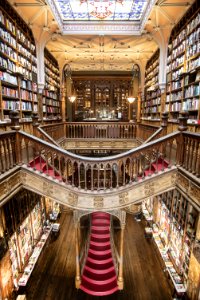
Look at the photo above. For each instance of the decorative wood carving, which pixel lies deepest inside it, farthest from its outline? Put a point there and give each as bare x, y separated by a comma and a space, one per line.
149, 189
194, 192
48, 188
72, 199
9, 185
98, 202
183, 182
123, 198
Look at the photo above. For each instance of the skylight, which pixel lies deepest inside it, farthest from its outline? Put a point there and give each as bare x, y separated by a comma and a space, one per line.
101, 10
101, 16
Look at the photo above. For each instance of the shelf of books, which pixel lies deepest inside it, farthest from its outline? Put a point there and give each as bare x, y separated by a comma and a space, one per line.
151, 102
174, 231
24, 241
18, 66
183, 68
51, 93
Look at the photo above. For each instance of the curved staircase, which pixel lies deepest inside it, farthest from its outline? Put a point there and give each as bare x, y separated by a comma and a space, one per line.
99, 276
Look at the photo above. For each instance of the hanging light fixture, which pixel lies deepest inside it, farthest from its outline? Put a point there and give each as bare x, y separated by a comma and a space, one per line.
72, 97
135, 73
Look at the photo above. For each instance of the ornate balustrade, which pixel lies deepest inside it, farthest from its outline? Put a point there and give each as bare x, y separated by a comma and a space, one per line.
55, 131
178, 148
100, 130
144, 132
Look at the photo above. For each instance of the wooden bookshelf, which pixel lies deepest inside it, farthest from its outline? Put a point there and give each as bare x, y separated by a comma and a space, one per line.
51, 93
180, 222
151, 102
18, 66
183, 68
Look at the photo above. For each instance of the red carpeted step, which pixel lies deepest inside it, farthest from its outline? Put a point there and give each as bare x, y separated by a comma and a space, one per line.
104, 271
99, 246
99, 255
102, 276
99, 275
100, 215
148, 172
100, 230
100, 238
99, 264
101, 293
99, 285
100, 222
38, 163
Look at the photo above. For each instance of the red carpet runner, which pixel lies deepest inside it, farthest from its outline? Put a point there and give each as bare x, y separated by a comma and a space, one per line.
99, 276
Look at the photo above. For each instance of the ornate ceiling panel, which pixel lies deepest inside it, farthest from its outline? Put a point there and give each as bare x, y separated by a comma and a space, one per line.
113, 45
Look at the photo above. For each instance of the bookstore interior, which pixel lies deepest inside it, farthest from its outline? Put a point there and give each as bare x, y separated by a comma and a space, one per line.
49, 69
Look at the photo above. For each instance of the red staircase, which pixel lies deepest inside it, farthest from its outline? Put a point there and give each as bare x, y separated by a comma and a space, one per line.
39, 164
99, 276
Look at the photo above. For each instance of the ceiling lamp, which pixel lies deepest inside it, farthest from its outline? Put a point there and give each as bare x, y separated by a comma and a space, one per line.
72, 98
135, 74
131, 99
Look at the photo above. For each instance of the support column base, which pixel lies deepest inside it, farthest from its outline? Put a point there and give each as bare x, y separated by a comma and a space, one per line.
120, 283
77, 282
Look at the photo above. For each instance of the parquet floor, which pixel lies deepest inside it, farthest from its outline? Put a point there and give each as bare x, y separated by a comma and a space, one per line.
54, 275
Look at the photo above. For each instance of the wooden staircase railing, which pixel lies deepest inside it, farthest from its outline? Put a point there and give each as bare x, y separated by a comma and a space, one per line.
112, 172
180, 149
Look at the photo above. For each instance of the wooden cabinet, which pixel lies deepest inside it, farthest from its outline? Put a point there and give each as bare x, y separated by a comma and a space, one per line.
101, 98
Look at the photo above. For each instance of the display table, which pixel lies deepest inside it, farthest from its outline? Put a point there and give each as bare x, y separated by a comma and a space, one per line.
177, 281
34, 257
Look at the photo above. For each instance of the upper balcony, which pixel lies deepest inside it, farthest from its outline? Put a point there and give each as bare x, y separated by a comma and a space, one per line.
109, 182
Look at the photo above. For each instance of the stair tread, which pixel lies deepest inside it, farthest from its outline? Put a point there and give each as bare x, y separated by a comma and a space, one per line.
110, 269
95, 293
99, 282
100, 244
99, 252
100, 262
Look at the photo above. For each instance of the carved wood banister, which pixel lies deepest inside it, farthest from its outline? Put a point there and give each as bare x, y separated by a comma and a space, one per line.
105, 173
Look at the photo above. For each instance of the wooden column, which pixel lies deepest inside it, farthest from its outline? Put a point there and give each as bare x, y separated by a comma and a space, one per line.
120, 280
78, 273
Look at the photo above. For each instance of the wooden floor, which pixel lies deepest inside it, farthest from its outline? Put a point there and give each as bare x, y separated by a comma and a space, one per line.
54, 274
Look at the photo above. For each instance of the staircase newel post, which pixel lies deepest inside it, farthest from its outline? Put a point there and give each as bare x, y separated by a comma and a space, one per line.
78, 273
36, 124
14, 117
164, 122
181, 146
120, 280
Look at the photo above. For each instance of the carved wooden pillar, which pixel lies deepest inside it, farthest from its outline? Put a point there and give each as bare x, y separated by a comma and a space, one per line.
14, 116
78, 273
183, 121
36, 124
164, 122
120, 280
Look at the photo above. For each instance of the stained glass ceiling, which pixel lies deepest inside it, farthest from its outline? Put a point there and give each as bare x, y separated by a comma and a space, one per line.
100, 10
